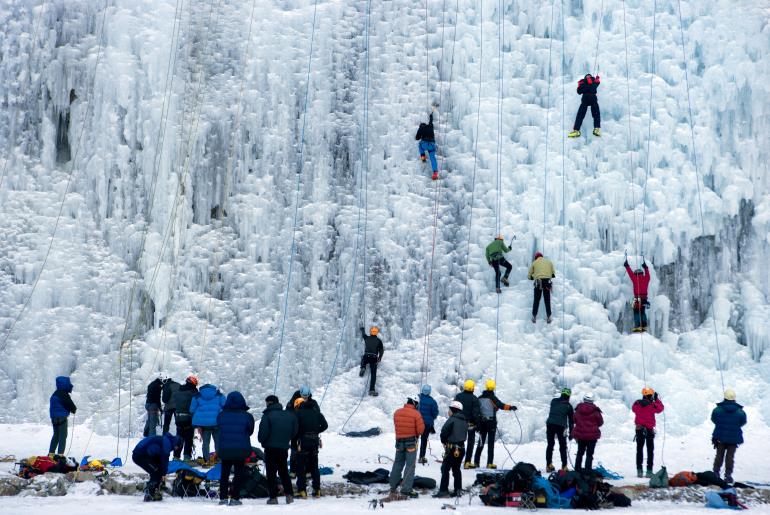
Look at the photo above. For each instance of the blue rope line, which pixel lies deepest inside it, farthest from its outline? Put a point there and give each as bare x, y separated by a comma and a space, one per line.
296, 199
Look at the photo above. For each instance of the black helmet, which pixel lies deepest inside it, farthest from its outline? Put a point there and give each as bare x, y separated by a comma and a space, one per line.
638, 271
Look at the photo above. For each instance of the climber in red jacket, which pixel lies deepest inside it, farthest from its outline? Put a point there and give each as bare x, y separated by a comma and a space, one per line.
640, 278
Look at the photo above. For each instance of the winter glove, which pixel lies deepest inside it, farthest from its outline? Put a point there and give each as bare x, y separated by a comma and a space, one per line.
625, 263
644, 264
655, 397
513, 408
432, 430
714, 442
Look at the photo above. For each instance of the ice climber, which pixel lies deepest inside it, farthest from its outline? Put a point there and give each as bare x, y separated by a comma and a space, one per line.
236, 425
429, 411
204, 408
427, 144
152, 405
488, 406
151, 455
59, 408
276, 430
409, 427
587, 87
728, 418
453, 435
310, 424
541, 272
169, 387
472, 412
373, 351
645, 410
495, 254
640, 278
560, 422
181, 400
588, 420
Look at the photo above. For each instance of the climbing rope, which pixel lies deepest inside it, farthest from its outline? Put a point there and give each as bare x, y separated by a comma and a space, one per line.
293, 250
697, 182
360, 400
498, 217
598, 37
649, 121
547, 123
563, 204
631, 164
70, 174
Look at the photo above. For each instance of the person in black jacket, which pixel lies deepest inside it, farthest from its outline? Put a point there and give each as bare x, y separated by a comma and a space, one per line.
489, 404
151, 455
587, 87
561, 420
453, 435
167, 393
276, 430
152, 405
235, 425
427, 139
310, 424
305, 394
184, 428
373, 351
472, 412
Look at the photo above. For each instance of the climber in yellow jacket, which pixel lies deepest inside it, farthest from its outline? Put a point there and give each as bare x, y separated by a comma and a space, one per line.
541, 271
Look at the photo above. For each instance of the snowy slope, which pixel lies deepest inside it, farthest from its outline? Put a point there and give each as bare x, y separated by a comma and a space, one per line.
144, 254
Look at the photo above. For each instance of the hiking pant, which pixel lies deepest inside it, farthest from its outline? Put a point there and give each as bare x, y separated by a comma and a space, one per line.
470, 442
496, 264
487, 431
552, 432
645, 436
185, 429
150, 465
452, 463
59, 438
307, 461
545, 292
595, 113
167, 416
406, 456
239, 467
275, 463
209, 433
586, 447
371, 360
430, 148
424, 440
640, 312
153, 419
728, 451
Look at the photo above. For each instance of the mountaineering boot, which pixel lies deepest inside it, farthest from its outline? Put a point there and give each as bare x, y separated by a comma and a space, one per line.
534, 319
289, 499
636, 330
272, 500
435, 176
373, 393
597, 132
423, 158
475, 466
302, 494
639, 473
504, 280
51, 455
498, 290
187, 457
648, 474
411, 494
550, 467
442, 494
316, 494
468, 465
729, 479
361, 372
491, 466
549, 319
423, 461
564, 468
223, 502
574, 134
235, 502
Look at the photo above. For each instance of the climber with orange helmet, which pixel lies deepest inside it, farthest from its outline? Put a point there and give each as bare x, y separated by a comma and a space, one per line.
182, 399
645, 410
373, 351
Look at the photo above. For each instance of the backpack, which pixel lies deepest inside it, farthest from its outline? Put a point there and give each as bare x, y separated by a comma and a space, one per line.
492, 495
254, 484
726, 499
519, 479
487, 408
659, 479
684, 478
550, 491
619, 500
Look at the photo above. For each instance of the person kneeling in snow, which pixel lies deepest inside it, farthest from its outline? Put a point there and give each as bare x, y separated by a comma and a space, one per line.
640, 278
151, 455
427, 139
645, 410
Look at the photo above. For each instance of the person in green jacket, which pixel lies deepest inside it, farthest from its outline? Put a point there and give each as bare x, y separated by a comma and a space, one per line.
496, 258
541, 271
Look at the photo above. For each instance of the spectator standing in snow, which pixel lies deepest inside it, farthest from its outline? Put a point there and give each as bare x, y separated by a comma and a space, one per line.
587, 87
640, 278
728, 418
561, 419
453, 435
167, 393
204, 408
488, 406
373, 351
429, 411
541, 272
152, 405
276, 431
427, 139
182, 399
310, 424
495, 254
236, 425
645, 410
409, 427
588, 420
59, 408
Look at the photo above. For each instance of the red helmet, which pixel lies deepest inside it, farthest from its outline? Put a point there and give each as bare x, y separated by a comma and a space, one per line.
538, 255
192, 380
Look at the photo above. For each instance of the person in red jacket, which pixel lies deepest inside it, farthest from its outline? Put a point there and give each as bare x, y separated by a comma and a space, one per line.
588, 420
645, 410
640, 278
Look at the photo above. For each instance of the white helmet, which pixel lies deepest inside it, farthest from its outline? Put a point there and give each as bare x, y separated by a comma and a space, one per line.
456, 405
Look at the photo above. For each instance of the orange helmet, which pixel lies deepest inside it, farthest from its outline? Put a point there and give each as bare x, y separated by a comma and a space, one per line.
298, 402
647, 391
192, 380
374, 330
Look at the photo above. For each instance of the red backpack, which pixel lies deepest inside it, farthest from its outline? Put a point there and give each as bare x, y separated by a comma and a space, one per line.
684, 478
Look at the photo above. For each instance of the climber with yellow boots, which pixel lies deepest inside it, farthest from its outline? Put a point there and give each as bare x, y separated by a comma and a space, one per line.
489, 404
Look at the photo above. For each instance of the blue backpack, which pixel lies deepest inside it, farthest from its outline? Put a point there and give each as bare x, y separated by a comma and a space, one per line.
724, 500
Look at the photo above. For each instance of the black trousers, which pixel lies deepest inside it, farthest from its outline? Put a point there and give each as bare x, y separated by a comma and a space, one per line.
186, 431
552, 432
452, 463
424, 440
546, 294
149, 465
496, 264
275, 463
167, 416
595, 113
470, 442
644, 437
487, 432
586, 447
239, 468
59, 438
307, 461
371, 360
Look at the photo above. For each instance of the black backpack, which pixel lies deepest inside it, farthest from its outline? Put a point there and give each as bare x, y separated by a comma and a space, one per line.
519, 479
254, 484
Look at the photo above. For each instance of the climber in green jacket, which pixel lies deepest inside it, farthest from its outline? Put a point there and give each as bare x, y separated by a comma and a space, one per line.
496, 258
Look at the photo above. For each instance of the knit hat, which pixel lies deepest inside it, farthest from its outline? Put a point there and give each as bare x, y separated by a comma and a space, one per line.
729, 394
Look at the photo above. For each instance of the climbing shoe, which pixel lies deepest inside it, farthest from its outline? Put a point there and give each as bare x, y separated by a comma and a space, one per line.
498, 290
637, 330
491, 466
302, 494
574, 134
550, 467
272, 500
639, 473
504, 280
597, 132
423, 461
729, 479
224, 502
435, 176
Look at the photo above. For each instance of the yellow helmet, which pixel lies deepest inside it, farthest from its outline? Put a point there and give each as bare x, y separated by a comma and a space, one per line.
491, 384
469, 385
374, 330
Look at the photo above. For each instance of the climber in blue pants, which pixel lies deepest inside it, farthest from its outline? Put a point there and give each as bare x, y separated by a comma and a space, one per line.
427, 139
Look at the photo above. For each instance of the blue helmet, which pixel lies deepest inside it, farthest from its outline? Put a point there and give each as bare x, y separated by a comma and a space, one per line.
304, 391
425, 390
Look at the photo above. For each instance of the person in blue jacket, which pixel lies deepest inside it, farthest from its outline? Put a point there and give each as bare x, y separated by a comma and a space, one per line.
59, 408
728, 418
205, 408
151, 454
429, 411
236, 425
